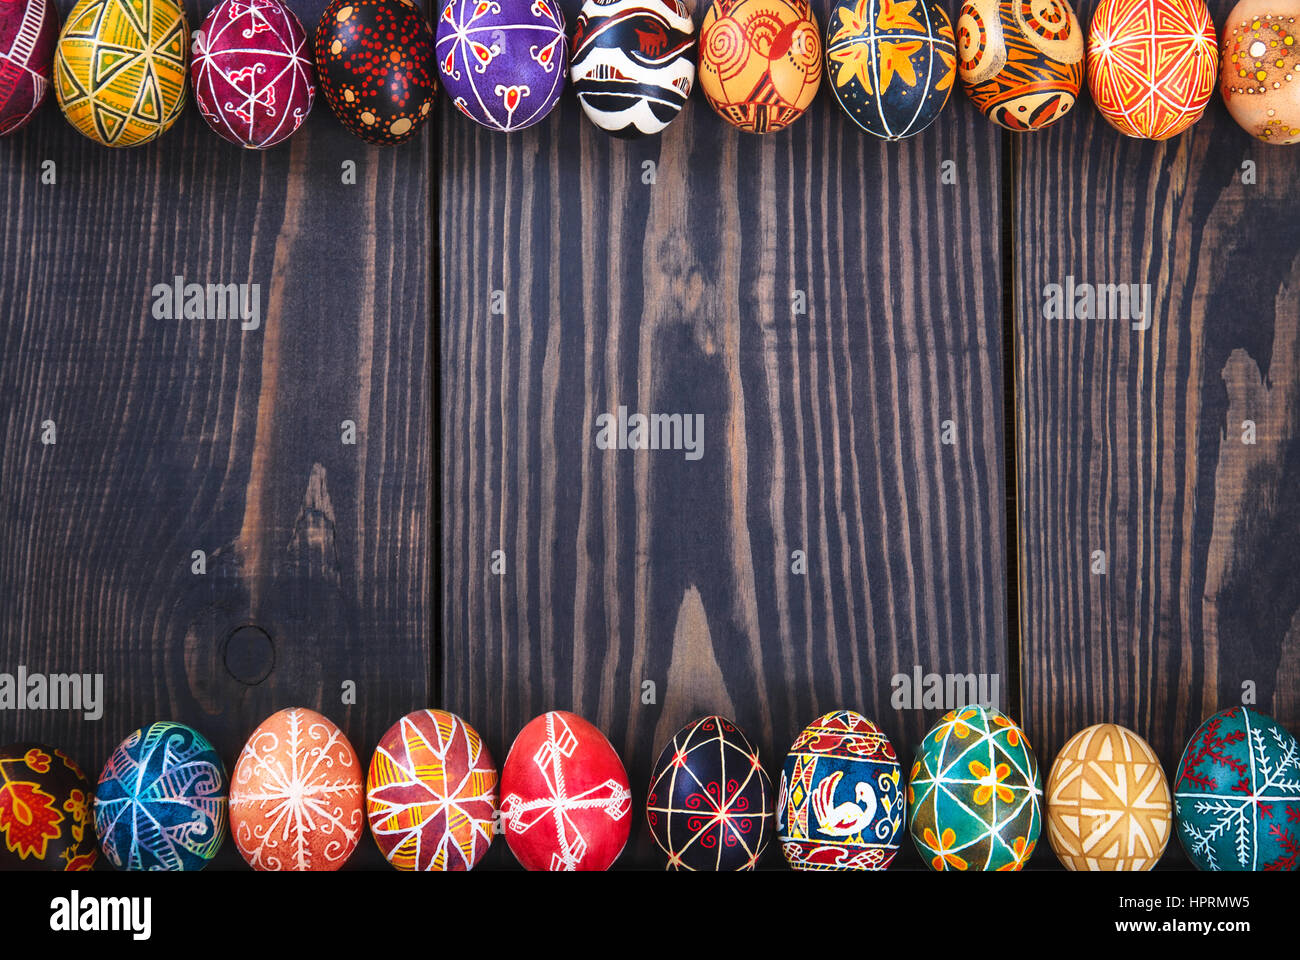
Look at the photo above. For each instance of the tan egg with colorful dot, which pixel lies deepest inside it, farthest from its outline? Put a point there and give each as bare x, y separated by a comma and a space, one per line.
1259, 70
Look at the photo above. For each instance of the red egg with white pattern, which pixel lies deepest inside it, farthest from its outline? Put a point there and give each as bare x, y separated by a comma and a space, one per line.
565, 800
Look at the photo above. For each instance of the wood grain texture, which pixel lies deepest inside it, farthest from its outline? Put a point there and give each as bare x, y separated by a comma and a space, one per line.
822, 431
1131, 441
177, 435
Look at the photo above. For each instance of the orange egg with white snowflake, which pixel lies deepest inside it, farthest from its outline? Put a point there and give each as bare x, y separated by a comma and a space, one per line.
296, 796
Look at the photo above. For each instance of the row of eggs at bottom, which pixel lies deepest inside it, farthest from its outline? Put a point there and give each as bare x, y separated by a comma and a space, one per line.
120, 66
972, 800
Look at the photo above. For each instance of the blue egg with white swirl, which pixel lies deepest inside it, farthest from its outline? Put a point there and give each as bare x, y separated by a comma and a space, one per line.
161, 803
633, 64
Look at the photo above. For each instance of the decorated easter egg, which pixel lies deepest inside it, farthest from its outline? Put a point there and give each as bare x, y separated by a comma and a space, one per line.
710, 802
1020, 62
45, 817
1237, 794
760, 61
973, 793
1259, 73
633, 63
431, 795
119, 70
892, 63
1108, 802
374, 61
1151, 64
296, 796
252, 73
503, 62
840, 801
28, 30
565, 799
161, 800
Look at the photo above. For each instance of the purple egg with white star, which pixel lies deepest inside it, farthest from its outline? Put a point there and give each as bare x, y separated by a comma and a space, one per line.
251, 72
502, 62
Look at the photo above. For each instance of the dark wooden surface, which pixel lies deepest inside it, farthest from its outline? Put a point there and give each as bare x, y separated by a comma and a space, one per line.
177, 435
822, 431
1130, 442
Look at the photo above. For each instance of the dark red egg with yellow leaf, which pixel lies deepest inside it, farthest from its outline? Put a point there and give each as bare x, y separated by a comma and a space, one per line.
45, 810
374, 64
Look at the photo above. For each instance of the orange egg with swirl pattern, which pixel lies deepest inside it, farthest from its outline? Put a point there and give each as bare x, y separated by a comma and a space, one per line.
760, 61
1021, 62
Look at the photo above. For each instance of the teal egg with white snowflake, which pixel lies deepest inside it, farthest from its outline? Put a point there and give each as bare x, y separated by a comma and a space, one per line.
974, 793
1237, 794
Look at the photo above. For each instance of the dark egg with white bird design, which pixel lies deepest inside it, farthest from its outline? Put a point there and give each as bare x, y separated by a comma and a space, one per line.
374, 64
633, 64
710, 801
839, 803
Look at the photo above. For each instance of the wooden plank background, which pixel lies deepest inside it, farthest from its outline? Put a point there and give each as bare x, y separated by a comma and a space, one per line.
177, 435
822, 431
1131, 441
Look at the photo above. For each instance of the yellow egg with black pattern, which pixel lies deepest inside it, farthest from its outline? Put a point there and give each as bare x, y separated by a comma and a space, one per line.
121, 69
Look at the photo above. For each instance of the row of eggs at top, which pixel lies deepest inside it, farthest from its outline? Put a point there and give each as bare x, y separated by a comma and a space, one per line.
1152, 64
972, 799
122, 69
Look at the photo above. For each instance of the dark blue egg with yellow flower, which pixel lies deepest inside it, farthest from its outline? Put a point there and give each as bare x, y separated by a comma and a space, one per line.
891, 63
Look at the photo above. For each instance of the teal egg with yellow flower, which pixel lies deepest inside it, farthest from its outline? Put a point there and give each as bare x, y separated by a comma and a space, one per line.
891, 63
974, 793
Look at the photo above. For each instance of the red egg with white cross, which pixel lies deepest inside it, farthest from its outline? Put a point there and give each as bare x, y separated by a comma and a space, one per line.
565, 799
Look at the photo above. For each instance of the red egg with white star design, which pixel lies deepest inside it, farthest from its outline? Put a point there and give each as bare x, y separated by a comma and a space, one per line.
251, 72
431, 794
566, 803
296, 796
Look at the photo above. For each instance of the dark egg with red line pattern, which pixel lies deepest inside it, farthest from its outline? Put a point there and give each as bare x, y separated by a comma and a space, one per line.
709, 806
374, 64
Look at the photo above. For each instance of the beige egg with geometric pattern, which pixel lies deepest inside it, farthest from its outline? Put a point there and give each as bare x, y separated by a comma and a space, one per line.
1108, 802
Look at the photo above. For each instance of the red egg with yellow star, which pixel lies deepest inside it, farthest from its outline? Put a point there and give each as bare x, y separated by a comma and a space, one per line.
431, 795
